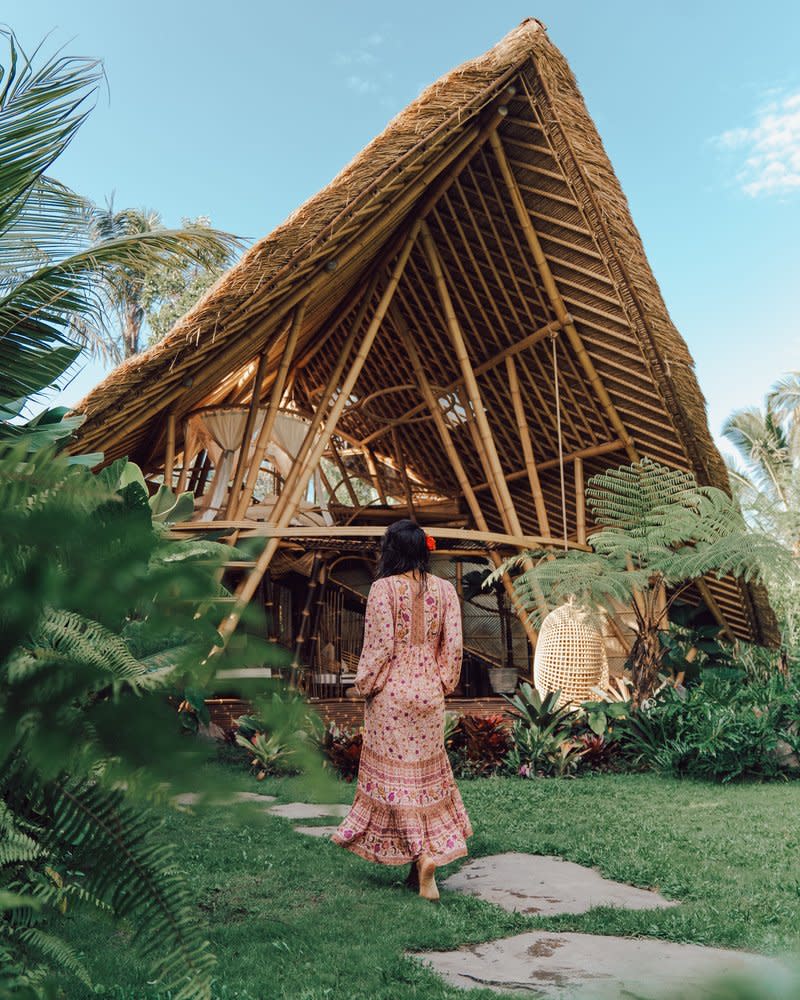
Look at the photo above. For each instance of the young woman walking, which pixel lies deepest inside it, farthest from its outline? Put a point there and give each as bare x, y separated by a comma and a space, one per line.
407, 807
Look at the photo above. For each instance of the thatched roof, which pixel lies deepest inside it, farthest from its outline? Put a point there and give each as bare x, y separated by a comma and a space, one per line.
328, 250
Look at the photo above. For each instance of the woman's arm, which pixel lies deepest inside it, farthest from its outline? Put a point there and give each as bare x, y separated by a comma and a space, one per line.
448, 656
378, 640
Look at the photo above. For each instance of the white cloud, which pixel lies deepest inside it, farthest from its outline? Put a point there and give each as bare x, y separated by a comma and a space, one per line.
361, 65
771, 146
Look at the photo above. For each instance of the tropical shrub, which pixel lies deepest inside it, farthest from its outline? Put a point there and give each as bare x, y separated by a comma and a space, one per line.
661, 531
542, 741
720, 730
477, 745
342, 749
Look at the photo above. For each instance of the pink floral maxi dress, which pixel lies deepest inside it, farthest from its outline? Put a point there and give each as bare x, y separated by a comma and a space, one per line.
407, 803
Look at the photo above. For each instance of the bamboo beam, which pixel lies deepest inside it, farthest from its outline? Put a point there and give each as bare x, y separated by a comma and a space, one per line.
188, 445
345, 476
553, 463
527, 447
242, 502
580, 501
509, 352
248, 587
470, 381
458, 467
556, 300
296, 471
329, 532
401, 465
244, 448
713, 607
169, 459
372, 468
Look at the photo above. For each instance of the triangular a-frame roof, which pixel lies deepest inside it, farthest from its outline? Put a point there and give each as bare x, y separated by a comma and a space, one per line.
502, 139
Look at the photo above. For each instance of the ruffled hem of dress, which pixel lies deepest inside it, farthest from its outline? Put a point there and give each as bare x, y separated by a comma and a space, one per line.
395, 836
356, 848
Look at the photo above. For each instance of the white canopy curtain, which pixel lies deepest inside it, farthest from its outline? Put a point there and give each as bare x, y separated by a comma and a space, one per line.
219, 431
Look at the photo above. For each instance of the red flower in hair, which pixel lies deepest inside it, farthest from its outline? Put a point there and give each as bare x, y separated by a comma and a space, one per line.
430, 541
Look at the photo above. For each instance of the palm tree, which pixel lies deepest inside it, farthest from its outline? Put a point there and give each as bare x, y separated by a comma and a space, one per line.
661, 531
132, 291
54, 280
765, 476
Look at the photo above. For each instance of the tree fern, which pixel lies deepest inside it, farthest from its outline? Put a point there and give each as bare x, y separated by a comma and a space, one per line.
660, 530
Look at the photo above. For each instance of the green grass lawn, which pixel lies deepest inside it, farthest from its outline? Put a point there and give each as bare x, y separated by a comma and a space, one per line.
295, 917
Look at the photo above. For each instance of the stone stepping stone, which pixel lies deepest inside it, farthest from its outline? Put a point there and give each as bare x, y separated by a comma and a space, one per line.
308, 810
556, 966
537, 884
316, 831
187, 799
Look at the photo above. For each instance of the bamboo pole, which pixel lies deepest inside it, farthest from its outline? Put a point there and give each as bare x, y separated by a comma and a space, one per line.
244, 449
527, 446
345, 476
298, 466
169, 458
470, 382
484, 439
517, 348
580, 502
187, 456
265, 431
401, 464
247, 589
305, 619
551, 463
458, 467
372, 468
556, 300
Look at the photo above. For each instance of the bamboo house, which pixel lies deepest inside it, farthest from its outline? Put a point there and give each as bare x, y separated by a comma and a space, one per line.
462, 327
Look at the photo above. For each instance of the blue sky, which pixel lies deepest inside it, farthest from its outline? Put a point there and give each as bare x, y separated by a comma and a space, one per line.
242, 110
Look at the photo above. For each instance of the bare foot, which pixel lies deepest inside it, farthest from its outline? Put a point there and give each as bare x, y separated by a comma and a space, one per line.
426, 867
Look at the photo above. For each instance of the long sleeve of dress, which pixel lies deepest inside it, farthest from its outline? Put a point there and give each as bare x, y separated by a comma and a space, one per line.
378, 647
448, 656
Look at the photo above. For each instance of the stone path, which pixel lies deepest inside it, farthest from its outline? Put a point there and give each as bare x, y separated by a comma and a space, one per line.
316, 831
188, 799
306, 810
555, 966
530, 883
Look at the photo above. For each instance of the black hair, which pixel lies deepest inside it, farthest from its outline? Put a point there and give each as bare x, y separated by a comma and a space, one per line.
404, 548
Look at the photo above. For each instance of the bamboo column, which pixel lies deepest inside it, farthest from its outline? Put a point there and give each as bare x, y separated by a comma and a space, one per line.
527, 446
244, 448
580, 501
265, 432
248, 587
169, 459
458, 468
555, 296
188, 447
305, 619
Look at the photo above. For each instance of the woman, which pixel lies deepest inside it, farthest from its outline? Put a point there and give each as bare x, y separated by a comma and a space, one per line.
407, 806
